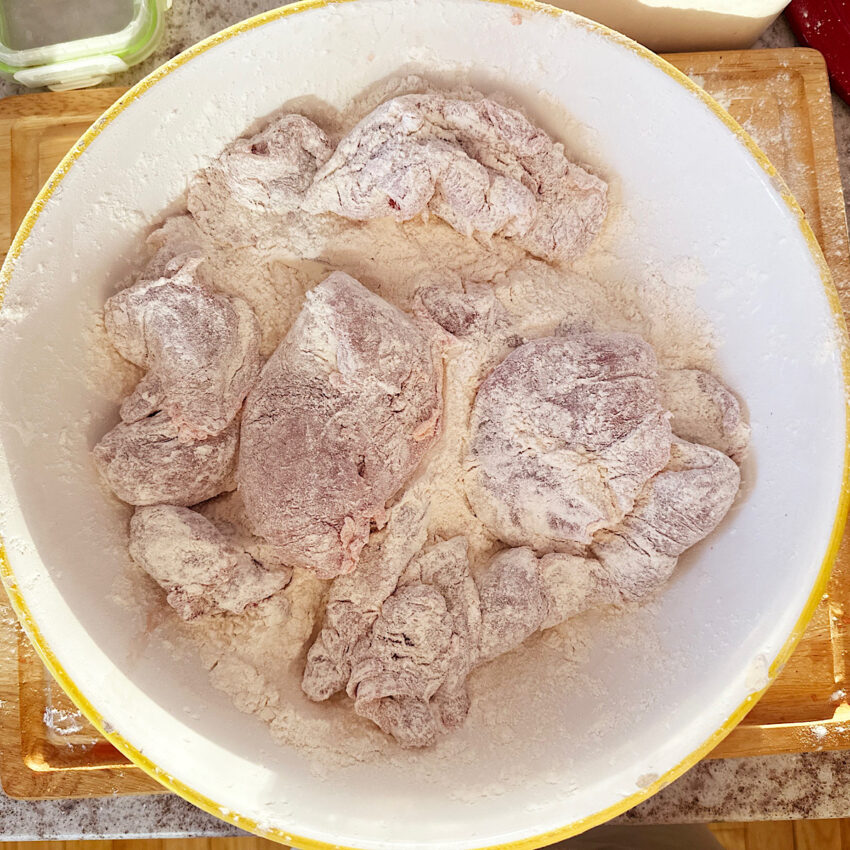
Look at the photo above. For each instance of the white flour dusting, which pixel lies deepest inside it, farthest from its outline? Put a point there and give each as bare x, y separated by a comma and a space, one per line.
62, 721
257, 657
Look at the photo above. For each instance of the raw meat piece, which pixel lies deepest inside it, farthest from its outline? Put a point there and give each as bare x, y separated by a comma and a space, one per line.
199, 568
409, 675
178, 236
678, 508
522, 593
483, 168
201, 348
148, 463
705, 411
474, 311
565, 432
254, 189
513, 601
345, 409
355, 599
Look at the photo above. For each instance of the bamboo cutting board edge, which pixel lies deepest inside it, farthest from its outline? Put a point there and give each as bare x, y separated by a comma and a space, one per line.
22, 121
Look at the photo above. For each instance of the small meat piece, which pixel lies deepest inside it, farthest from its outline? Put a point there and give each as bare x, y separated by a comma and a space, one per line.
148, 463
705, 411
513, 601
257, 184
481, 167
475, 311
522, 593
678, 508
344, 411
355, 599
565, 432
198, 567
177, 238
200, 348
409, 675
405, 665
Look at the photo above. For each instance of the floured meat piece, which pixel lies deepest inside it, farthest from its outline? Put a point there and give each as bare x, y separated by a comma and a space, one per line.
481, 167
473, 311
177, 236
522, 593
705, 411
678, 508
199, 568
355, 599
409, 675
345, 409
200, 348
565, 432
149, 463
257, 184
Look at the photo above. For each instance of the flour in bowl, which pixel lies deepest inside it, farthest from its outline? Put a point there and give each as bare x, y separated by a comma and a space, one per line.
473, 430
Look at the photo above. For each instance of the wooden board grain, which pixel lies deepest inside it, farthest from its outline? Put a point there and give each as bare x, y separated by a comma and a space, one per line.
36, 131
24, 773
782, 98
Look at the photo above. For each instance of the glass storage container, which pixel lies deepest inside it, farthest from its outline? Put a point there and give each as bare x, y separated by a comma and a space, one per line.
71, 44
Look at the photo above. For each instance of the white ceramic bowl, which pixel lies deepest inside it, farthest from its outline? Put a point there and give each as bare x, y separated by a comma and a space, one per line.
736, 606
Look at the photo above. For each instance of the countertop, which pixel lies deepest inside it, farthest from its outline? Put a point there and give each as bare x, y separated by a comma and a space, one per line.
815, 785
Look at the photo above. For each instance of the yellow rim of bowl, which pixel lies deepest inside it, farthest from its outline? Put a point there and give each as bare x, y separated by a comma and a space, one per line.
173, 784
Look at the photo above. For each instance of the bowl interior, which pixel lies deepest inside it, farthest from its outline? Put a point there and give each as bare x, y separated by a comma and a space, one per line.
664, 679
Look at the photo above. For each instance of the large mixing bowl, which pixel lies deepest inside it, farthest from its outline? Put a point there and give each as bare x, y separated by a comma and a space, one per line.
695, 186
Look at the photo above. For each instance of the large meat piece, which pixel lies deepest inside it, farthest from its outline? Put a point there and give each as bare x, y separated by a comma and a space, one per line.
255, 188
565, 432
522, 593
200, 348
201, 570
343, 412
483, 168
149, 463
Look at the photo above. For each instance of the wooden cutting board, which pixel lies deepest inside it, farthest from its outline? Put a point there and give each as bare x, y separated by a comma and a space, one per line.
782, 98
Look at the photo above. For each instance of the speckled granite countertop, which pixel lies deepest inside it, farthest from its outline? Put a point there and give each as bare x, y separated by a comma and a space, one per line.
815, 785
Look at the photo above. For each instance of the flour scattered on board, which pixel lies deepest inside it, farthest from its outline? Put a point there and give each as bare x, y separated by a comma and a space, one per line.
62, 721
